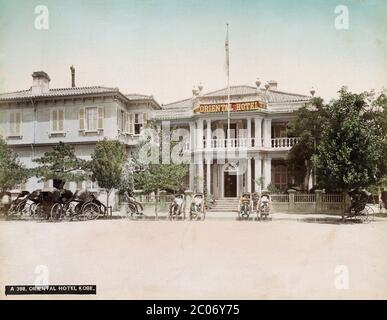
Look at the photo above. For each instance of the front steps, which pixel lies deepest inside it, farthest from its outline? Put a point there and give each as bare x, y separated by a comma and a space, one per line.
225, 205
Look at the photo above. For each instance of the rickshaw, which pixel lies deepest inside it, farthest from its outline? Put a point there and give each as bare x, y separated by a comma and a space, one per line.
197, 209
81, 205
359, 208
133, 206
19, 206
245, 206
264, 208
176, 206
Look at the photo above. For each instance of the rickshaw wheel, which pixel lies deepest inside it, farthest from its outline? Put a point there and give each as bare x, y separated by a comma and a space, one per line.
56, 212
91, 211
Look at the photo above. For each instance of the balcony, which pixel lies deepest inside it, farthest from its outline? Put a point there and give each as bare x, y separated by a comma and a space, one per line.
248, 143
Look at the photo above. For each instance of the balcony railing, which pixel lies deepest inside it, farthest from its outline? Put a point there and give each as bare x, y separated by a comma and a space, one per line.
283, 143
245, 143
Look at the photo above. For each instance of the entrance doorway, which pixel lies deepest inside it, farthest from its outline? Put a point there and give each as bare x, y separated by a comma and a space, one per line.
230, 185
230, 180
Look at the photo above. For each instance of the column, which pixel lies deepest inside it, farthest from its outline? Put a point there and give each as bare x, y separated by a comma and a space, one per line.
267, 171
257, 173
208, 134
248, 144
191, 175
191, 136
248, 175
200, 176
208, 177
199, 134
192, 149
267, 133
258, 134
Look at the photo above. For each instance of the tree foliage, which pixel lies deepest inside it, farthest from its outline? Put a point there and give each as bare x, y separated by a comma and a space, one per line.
61, 165
156, 175
307, 127
345, 140
107, 165
12, 172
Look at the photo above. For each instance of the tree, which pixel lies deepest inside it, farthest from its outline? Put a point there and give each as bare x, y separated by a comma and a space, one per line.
307, 127
353, 143
12, 172
60, 165
107, 165
154, 175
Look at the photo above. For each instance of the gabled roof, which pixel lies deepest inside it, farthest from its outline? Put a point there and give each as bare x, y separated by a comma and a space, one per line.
58, 92
142, 97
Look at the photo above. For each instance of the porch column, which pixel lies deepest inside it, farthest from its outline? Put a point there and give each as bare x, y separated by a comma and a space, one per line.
267, 171
199, 134
258, 134
200, 176
208, 134
191, 175
208, 177
267, 137
248, 175
257, 173
191, 136
248, 144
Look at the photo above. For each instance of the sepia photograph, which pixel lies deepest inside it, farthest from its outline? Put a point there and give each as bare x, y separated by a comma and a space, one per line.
193, 150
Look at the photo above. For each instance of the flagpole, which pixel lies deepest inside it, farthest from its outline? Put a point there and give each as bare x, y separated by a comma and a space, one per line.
228, 85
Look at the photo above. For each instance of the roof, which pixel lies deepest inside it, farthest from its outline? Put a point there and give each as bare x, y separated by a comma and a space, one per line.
273, 96
137, 97
59, 92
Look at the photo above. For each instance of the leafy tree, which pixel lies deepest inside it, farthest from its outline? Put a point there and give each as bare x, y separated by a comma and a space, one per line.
307, 127
151, 174
107, 165
353, 143
12, 172
61, 165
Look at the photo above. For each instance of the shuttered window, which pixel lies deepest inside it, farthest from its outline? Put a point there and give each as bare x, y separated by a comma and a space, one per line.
81, 119
131, 123
91, 118
101, 117
57, 119
15, 123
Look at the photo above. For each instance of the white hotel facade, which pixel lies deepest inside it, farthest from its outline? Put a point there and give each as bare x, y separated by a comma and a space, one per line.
34, 120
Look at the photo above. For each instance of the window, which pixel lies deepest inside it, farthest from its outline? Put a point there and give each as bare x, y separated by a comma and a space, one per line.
122, 121
15, 123
91, 119
57, 117
281, 176
139, 122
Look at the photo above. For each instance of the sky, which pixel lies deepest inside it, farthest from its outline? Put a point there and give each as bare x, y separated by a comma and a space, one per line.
166, 47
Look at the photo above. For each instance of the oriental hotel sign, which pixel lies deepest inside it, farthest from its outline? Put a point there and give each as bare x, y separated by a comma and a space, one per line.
234, 107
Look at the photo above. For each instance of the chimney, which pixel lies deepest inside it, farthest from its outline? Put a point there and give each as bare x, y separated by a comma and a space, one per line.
273, 84
72, 76
40, 82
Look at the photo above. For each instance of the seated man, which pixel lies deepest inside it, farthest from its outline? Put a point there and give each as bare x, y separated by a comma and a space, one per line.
264, 203
245, 203
176, 204
197, 203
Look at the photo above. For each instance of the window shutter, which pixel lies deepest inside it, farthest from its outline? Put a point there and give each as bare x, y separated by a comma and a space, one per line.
131, 124
18, 122
54, 126
81, 119
100, 117
140, 118
119, 119
126, 122
60, 120
12, 123
145, 118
